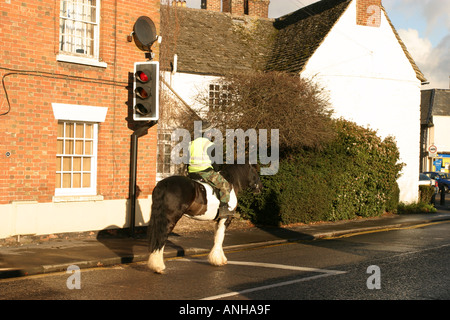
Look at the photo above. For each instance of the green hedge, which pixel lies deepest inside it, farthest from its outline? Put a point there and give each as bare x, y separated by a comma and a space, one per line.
355, 175
426, 194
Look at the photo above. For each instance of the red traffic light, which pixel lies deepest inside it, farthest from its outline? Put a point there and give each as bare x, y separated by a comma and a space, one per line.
146, 91
142, 76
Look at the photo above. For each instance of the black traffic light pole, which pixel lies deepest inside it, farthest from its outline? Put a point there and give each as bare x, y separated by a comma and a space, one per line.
142, 131
145, 111
144, 34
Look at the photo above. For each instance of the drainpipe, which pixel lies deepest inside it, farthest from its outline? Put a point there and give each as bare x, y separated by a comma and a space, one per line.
174, 68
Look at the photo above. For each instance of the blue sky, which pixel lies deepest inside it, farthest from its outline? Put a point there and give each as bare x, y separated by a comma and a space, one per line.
424, 26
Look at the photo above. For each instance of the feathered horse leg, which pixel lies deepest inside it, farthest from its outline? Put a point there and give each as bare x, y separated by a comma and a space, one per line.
217, 257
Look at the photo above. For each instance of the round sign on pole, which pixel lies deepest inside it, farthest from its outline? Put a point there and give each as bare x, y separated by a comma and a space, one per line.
144, 33
432, 150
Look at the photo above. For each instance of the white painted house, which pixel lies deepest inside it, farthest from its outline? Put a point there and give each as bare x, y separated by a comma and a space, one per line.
371, 81
349, 47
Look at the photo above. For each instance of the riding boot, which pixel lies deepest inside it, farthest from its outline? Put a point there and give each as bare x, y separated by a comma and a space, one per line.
224, 212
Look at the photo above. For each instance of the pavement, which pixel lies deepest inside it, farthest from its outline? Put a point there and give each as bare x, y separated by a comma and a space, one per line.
116, 247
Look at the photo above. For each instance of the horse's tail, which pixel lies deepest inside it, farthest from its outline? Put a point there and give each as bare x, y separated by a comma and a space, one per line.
158, 225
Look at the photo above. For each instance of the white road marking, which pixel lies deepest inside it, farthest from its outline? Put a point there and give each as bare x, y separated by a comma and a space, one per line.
270, 286
323, 273
284, 267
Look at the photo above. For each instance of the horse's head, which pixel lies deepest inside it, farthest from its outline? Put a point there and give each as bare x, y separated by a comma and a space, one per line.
254, 183
243, 176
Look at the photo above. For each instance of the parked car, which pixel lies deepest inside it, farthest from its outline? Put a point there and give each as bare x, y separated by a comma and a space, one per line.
443, 179
425, 180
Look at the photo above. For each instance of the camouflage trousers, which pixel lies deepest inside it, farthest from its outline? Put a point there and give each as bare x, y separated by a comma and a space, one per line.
217, 181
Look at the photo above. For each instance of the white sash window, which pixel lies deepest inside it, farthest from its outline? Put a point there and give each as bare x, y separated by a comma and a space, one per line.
76, 158
79, 32
76, 148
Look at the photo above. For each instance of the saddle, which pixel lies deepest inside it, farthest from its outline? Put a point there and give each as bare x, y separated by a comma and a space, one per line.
206, 202
214, 202
198, 178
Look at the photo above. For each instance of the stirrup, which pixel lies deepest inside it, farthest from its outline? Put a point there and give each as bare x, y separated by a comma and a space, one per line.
224, 213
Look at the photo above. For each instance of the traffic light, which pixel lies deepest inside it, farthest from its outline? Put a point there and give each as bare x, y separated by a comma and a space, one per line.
146, 91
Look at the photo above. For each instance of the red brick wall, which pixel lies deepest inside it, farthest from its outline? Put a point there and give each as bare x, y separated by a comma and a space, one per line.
368, 13
213, 5
237, 7
226, 5
29, 37
259, 8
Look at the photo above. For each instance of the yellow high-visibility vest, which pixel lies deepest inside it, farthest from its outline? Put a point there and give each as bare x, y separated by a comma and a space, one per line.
199, 160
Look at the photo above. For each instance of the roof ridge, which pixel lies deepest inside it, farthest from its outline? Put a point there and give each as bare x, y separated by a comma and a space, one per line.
308, 11
280, 47
419, 73
291, 53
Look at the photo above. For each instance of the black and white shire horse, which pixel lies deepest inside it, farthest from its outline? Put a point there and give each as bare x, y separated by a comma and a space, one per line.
176, 196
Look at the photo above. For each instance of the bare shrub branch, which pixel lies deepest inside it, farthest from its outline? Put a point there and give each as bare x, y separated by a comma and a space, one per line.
274, 100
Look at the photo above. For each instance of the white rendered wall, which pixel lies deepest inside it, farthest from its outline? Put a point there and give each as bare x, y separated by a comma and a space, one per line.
442, 133
33, 218
371, 82
192, 88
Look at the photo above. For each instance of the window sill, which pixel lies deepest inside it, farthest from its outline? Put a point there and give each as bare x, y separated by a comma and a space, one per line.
80, 60
72, 112
59, 199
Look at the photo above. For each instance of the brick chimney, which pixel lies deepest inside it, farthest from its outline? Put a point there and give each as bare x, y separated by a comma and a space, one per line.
258, 8
368, 13
255, 8
212, 5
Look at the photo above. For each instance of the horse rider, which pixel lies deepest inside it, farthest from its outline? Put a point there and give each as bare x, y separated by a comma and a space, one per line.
201, 165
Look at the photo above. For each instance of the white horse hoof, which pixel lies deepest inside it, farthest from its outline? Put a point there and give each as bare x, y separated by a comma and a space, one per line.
156, 261
156, 269
217, 259
160, 271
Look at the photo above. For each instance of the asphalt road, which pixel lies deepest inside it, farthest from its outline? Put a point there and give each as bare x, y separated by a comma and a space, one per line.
407, 264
